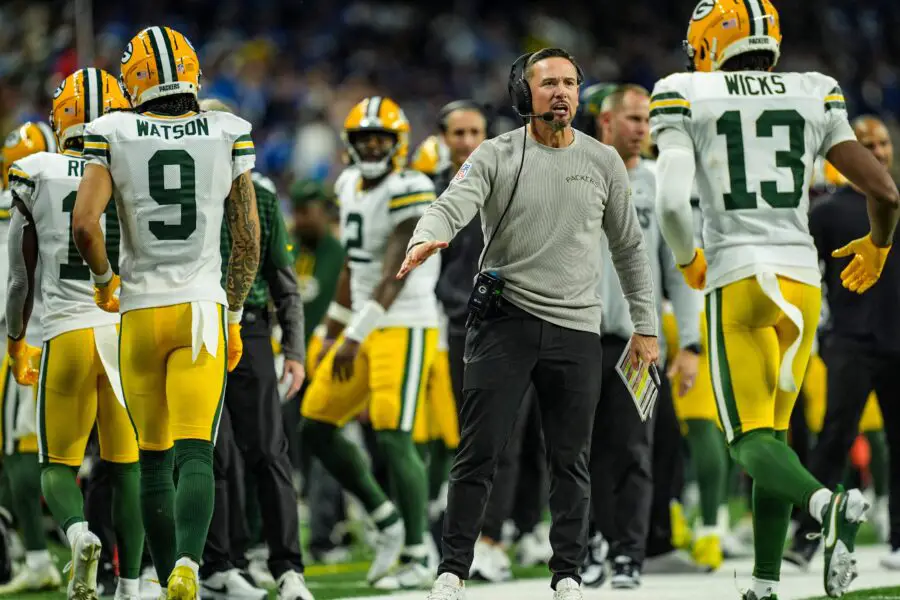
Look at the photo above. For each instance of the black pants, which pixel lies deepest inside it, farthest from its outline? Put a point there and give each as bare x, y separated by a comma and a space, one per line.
852, 374
252, 400
621, 462
524, 448
504, 356
456, 350
668, 470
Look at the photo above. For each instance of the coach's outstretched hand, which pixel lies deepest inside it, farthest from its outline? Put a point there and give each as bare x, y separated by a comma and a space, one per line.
419, 254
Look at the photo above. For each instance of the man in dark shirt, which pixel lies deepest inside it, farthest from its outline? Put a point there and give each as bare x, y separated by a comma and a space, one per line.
860, 345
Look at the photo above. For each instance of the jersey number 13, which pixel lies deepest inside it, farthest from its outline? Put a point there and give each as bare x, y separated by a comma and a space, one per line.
740, 197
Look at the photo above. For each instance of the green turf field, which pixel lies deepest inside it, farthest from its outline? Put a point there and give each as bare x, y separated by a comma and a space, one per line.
887, 593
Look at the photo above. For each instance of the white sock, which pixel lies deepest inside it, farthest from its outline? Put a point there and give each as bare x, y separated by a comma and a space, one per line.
763, 588
818, 502
383, 512
75, 530
36, 559
184, 561
130, 587
418, 552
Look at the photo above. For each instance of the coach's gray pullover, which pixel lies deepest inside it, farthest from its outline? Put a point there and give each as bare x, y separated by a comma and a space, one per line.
548, 250
667, 279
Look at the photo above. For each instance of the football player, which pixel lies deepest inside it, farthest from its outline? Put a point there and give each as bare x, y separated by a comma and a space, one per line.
751, 138
388, 345
176, 173
78, 370
21, 468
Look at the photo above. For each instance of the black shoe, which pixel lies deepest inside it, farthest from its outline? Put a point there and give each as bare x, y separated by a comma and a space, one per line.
594, 571
802, 551
106, 580
626, 574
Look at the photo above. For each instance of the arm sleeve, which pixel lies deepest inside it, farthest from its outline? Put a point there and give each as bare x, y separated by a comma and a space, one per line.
462, 199
675, 178
96, 146
627, 249
687, 303
837, 127
279, 274
22, 241
243, 153
411, 199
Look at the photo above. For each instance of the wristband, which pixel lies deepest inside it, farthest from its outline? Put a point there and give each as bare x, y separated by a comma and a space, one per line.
235, 316
339, 313
364, 321
104, 278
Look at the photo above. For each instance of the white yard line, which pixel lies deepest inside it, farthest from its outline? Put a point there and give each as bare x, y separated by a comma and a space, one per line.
795, 584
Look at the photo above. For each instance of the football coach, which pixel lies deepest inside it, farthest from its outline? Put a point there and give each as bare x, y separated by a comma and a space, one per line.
546, 194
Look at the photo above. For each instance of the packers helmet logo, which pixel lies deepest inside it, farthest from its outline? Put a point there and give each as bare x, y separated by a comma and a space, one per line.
12, 140
703, 8
126, 55
59, 89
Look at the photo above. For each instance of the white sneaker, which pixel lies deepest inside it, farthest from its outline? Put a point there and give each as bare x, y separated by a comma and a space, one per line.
228, 585
490, 563
292, 586
387, 551
447, 587
85, 560
567, 589
259, 571
891, 562
128, 590
881, 519
533, 550
33, 580
150, 588
408, 576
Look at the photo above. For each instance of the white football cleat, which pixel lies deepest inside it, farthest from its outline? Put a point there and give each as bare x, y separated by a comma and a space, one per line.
292, 586
47, 577
567, 589
230, 585
387, 550
447, 587
85, 559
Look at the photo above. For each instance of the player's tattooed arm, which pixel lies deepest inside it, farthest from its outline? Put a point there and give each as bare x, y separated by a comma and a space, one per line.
94, 193
243, 223
389, 287
23, 256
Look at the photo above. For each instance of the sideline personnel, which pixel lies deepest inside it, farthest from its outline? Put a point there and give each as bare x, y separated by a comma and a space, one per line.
536, 308
860, 346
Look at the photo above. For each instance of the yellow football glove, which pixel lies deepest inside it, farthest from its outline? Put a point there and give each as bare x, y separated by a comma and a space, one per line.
235, 345
695, 271
23, 361
104, 295
865, 267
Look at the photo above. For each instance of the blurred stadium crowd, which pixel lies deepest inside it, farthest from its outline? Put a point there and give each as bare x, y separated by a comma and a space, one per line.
294, 69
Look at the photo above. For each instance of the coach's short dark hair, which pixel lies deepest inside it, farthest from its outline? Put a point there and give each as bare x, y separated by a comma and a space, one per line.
548, 53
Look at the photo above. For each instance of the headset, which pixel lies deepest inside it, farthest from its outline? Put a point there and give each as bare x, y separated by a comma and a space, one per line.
454, 106
520, 94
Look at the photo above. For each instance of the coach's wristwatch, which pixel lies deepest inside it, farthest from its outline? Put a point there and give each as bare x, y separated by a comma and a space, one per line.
695, 348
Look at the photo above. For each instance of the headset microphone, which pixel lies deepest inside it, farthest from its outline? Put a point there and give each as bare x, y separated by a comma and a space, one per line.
547, 116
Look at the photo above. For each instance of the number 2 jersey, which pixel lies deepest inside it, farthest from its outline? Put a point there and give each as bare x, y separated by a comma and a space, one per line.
756, 138
171, 177
367, 219
47, 184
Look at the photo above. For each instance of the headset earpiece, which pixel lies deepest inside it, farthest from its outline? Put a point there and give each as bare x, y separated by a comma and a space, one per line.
519, 92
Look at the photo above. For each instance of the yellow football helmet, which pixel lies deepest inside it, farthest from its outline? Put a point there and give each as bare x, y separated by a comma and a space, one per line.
378, 114
25, 140
722, 29
83, 96
431, 157
159, 62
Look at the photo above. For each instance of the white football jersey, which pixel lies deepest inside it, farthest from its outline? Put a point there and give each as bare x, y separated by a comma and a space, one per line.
367, 219
171, 177
756, 138
47, 184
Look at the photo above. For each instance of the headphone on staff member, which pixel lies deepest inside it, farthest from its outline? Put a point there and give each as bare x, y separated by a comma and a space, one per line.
520, 92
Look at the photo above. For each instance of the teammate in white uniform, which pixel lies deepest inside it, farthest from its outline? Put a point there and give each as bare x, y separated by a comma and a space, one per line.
176, 173
21, 469
752, 138
79, 360
385, 353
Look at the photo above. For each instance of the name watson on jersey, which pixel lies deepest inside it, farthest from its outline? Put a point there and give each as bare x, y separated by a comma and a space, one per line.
194, 127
